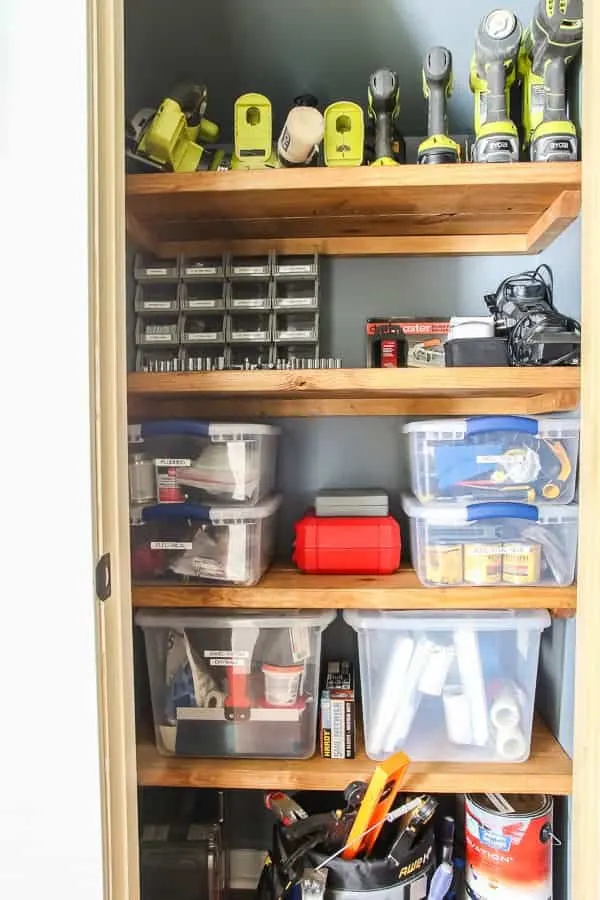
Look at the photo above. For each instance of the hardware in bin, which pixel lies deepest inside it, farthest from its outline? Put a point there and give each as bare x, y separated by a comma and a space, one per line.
200, 461
187, 542
493, 543
234, 684
449, 686
494, 458
354, 545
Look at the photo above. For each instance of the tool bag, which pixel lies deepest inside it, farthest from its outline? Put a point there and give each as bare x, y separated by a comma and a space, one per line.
356, 879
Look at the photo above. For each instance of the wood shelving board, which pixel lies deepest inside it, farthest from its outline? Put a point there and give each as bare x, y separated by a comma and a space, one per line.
283, 587
460, 209
548, 771
354, 392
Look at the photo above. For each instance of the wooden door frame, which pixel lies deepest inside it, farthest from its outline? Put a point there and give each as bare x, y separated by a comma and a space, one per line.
109, 417
107, 244
585, 880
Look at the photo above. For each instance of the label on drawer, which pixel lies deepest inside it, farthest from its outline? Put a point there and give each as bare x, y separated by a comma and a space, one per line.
171, 545
296, 269
156, 270
250, 270
201, 270
157, 304
168, 462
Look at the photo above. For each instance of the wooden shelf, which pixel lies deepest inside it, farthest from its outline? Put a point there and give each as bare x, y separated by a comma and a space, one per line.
466, 209
286, 588
354, 392
548, 770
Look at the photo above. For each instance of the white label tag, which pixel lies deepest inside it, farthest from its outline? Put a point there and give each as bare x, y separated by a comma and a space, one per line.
249, 270
199, 337
300, 639
160, 338
295, 301
253, 303
157, 304
292, 334
237, 658
299, 269
157, 271
171, 545
201, 304
168, 463
249, 336
201, 270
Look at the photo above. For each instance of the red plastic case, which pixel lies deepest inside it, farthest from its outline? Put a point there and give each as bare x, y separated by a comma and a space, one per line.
358, 545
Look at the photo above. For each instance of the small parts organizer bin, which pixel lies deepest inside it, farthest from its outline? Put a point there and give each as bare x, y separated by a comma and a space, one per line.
178, 460
530, 460
227, 312
493, 543
449, 686
240, 684
187, 542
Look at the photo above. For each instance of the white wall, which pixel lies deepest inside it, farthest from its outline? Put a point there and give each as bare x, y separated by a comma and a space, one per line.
50, 827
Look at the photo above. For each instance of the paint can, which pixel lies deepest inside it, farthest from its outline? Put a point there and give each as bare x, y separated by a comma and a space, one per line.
522, 563
444, 563
509, 854
483, 563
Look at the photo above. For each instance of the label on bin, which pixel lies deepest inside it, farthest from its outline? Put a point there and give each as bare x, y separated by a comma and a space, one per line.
235, 658
157, 271
201, 270
171, 545
249, 270
157, 304
168, 462
300, 269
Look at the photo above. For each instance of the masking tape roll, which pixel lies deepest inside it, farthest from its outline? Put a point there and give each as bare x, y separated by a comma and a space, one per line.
457, 714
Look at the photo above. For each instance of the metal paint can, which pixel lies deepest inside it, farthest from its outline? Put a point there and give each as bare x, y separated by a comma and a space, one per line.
444, 563
483, 563
522, 563
509, 854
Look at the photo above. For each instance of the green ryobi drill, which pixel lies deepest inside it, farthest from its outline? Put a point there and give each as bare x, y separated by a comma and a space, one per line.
550, 43
438, 147
384, 109
493, 72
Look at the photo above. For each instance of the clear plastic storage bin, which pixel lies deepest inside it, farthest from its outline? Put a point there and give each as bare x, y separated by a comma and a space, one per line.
199, 461
494, 458
493, 543
186, 542
449, 686
234, 684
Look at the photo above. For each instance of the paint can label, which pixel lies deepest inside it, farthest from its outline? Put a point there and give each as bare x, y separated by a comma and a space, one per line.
509, 855
522, 563
444, 564
483, 563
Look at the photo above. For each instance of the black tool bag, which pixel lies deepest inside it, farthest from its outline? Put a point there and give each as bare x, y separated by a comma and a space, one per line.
354, 879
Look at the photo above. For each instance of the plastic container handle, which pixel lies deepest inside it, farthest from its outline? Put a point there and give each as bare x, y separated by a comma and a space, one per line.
174, 426
480, 424
478, 511
176, 511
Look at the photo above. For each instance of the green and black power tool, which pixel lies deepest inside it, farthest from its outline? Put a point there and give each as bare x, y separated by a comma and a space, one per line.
384, 109
493, 72
438, 147
550, 43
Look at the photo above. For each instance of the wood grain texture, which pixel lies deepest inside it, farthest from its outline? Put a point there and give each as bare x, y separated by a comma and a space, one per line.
353, 392
585, 882
406, 209
548, 770
284, 587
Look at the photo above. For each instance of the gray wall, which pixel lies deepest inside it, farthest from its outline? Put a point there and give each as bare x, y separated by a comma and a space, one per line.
285, 47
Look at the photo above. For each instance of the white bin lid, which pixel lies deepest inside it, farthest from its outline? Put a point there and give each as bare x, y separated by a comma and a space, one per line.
448, 620
214, 618
456, 429
461, 512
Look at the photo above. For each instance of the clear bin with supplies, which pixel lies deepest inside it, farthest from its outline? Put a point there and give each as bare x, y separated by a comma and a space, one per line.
200, 461
186, 542
449, 686
489, 544
515, 458
234, 683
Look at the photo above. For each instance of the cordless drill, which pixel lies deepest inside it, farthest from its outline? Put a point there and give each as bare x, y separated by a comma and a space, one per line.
550, 43
384, 109
438, 147
493, 72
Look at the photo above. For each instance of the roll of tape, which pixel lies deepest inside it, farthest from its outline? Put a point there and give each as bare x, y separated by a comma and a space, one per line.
505, 712
457, 714
511, 745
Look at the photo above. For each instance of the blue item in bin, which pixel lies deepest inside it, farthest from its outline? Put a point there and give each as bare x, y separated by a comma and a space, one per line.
524, 458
